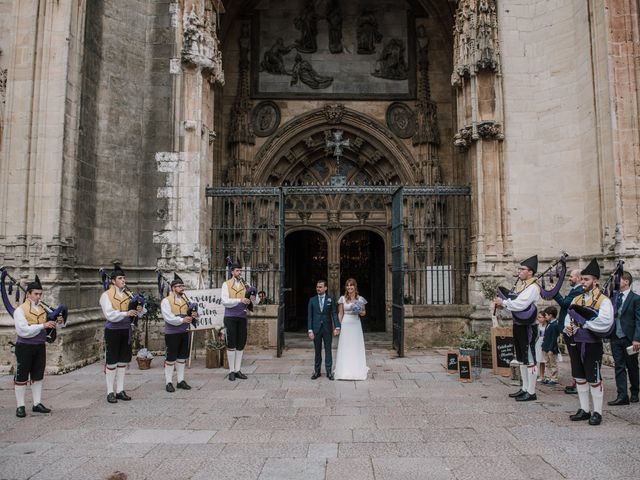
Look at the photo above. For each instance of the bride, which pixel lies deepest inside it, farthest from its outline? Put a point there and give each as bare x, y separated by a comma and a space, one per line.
351, 363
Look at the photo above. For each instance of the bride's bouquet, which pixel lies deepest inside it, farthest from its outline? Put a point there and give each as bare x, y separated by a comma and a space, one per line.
357, 307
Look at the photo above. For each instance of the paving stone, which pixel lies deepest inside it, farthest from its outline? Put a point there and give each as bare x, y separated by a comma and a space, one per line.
349, 469
323, 450
293, 469
411, 468
169, 436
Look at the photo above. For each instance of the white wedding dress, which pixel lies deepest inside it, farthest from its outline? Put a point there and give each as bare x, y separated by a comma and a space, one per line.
351, 362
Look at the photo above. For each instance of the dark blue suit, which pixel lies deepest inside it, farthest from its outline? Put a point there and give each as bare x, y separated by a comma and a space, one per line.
629, 319
321, 323
550, 338
564, 303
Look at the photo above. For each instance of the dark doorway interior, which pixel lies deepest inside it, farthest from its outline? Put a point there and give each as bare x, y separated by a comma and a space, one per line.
305, 263
362, 258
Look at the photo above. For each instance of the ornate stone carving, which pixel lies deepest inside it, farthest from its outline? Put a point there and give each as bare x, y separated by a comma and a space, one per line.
303, 71
401, 120
307, 23
241, 130
367, 32
391, 63
273, 61
463, 138
427, 130
265, 118
475, 34
490, 130
333, 113
200, 42
334, 19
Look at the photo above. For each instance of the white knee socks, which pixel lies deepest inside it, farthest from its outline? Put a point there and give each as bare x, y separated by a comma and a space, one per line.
238, 360
231, 359
180, 370
532, 373
36, 391
120, 371
583, 393
168, 371
20, 391
524, 375
597, 394
110, 375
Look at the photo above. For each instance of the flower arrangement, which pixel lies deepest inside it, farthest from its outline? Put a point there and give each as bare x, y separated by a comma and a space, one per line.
357, 307
217, 340
472, 341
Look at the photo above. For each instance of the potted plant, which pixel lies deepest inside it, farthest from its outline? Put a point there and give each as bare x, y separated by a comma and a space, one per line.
215, 347
471, 345
144, 356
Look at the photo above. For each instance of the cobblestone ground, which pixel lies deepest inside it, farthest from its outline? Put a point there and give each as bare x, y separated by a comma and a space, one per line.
410, 420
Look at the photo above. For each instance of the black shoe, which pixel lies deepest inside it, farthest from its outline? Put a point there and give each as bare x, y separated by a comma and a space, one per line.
241, 375
618, 401
169, 388
185, 386
111, 398
40, 408
571, 390
517, 394
330, 376
580, 415
315, 375
634, 399
21, 412
232, 376
526, 397
596, 419
123, 396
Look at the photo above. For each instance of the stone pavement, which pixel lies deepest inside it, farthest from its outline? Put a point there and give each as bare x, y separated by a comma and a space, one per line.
410, 420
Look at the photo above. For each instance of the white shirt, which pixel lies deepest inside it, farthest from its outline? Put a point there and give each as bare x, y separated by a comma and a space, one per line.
110, 313
529, 295
224, 295
602, 323
23, 329
167, 314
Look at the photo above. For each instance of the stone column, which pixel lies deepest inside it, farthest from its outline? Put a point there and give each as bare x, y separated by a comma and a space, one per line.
477, 80
197, 67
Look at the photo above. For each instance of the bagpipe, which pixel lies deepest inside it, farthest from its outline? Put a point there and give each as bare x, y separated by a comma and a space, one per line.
580, 314
135, 300
7, 292
530, 314
164, 289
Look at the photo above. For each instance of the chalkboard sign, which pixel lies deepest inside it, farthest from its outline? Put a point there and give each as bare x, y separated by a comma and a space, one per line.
452, 361
464, 368
503, 350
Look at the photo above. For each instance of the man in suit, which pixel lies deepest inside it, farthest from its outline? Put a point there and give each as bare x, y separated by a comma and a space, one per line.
627, 333
564, 302
322, 318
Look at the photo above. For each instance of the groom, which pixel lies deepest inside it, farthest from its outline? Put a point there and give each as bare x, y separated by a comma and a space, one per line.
320, 322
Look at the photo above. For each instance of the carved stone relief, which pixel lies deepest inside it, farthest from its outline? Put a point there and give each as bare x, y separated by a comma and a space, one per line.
333, 113
307, 23
273, 61
334, 20
391, 63
367, 32
200, 43
303, 71
401, 120
265, 118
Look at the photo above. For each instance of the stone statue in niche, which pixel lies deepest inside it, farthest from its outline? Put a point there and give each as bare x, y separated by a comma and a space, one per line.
272, 61
334, 19
303, 71
367, 32
307, 23
486, 31
391, 63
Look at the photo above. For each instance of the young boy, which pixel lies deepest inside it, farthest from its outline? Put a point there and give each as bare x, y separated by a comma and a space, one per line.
550, 345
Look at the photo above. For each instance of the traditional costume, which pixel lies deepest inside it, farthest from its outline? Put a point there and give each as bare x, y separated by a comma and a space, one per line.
585, 346
118, 334
235, 322
525, 331
174, 309
31, 353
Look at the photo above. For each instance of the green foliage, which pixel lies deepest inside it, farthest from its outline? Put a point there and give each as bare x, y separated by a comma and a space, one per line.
473, 341
152, 304
489, 287
216, 340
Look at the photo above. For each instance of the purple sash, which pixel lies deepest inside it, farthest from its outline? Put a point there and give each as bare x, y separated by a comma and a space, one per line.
39, 339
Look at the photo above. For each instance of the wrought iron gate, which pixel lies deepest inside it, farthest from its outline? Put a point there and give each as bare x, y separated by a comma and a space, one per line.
429, 242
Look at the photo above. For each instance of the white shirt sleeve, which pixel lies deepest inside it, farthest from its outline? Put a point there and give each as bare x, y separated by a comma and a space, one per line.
602, 323
224, 296
529, 295
110, 313
362, 300
23, 328
168, 315
341, 300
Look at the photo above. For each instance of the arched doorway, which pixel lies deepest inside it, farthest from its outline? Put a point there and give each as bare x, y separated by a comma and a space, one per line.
362, 257
305, 263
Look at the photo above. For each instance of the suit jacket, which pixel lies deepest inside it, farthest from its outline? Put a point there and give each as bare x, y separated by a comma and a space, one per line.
550, 338
327, 316
629, 316
564, 303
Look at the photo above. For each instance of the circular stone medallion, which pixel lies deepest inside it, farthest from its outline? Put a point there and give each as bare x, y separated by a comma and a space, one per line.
401, 120
265, 118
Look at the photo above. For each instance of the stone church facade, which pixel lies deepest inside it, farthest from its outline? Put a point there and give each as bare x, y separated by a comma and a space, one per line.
130, 130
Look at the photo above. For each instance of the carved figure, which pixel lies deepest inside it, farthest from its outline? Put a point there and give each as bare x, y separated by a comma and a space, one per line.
367, 32
307, 23
334, 19
391, 63
303, 71
272, 61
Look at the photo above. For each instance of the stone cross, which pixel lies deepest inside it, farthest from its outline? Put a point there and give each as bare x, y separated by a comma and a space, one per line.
337, 144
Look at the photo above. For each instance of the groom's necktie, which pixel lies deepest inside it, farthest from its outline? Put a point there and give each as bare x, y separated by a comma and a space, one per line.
321, 303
